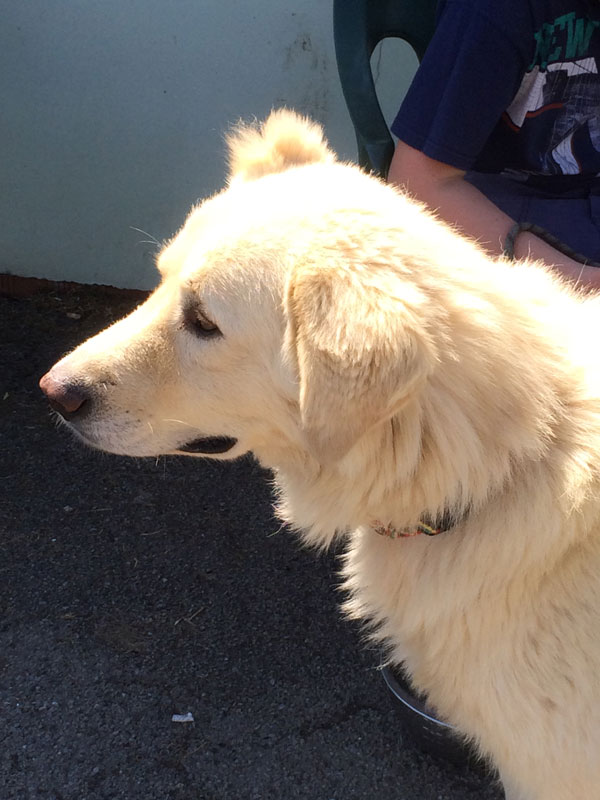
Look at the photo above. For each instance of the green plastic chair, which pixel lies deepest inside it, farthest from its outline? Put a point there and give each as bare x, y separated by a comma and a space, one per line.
358, 26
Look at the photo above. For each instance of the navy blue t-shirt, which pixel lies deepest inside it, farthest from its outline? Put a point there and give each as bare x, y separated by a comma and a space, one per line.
510, 86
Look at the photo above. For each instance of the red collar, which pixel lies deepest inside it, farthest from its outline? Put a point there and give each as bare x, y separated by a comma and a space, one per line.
393, 533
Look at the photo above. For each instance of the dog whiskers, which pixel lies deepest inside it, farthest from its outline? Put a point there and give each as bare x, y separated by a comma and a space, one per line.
181, 422
151, 240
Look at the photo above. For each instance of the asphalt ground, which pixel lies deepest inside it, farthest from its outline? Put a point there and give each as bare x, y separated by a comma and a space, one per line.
133, 590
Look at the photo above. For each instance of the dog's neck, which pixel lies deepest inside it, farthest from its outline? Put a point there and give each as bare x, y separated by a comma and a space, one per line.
410, 475
323, 501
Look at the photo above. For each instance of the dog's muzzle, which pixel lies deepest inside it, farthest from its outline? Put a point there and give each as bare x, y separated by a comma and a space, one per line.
74, 402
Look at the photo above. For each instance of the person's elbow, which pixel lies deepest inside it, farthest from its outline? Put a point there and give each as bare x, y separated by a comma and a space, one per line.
419, 174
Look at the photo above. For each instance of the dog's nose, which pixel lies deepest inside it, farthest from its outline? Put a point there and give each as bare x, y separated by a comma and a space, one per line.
67, 399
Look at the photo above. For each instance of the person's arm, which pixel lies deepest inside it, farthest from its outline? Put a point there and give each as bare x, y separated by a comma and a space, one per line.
443, 188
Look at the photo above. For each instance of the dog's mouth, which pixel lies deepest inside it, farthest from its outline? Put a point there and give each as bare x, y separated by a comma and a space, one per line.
208, 445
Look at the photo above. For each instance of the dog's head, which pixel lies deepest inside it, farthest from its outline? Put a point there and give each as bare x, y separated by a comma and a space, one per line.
284, 322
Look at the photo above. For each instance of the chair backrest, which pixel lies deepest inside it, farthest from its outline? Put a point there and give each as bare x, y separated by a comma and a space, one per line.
359, 25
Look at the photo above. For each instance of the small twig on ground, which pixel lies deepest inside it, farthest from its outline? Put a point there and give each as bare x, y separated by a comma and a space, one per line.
189, 618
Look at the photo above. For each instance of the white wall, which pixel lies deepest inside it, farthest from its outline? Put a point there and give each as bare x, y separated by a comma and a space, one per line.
112, 114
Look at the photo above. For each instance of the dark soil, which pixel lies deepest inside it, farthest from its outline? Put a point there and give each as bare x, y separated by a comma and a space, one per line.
132, 590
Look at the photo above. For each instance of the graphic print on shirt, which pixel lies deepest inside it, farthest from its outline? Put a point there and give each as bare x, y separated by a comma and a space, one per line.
560, 94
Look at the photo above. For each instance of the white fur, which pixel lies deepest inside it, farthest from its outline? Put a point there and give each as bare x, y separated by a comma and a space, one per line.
386, 368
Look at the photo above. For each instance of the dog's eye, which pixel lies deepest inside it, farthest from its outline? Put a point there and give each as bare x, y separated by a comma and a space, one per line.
198, 324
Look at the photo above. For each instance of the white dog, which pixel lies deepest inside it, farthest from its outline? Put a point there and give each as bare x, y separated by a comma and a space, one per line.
398, 381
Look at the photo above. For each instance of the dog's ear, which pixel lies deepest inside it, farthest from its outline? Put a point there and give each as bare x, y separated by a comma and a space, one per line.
361, 350
284, 140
